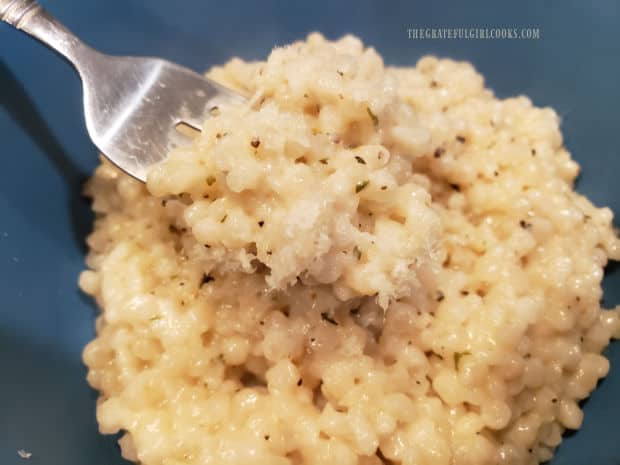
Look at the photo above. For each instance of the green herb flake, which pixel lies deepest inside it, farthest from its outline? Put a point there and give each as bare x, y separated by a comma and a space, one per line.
323, 161
373, 117
360, 160
223, 218
361, 185
458, 356
326, 317
210, 180
206, 279
357, 253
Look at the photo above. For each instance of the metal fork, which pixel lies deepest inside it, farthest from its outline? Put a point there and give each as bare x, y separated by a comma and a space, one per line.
132, 105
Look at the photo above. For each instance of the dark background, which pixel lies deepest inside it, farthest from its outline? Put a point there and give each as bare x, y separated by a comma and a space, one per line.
45, 404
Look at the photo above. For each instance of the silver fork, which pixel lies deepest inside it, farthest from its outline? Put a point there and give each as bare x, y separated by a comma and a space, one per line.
132, 105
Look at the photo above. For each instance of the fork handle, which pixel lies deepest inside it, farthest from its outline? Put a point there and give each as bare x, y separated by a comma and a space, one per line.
33, 19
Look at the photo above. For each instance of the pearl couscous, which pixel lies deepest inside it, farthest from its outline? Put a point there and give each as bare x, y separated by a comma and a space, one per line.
360, 265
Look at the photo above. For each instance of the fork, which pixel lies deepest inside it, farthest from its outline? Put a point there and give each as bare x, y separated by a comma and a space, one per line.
133, 106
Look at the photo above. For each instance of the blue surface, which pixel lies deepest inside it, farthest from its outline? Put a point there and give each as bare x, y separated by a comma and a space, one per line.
45, 404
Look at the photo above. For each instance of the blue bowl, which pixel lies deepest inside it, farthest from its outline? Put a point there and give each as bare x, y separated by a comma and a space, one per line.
46, 406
